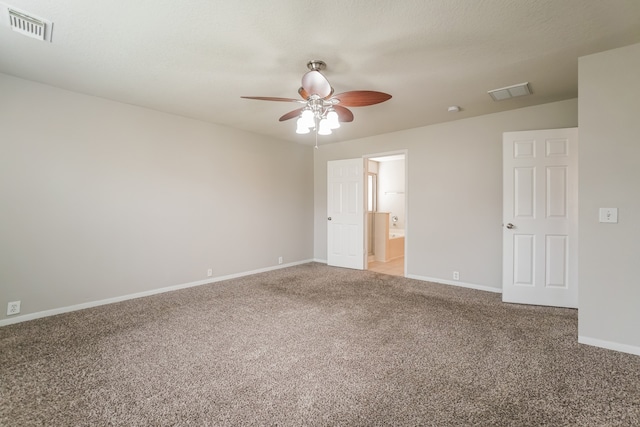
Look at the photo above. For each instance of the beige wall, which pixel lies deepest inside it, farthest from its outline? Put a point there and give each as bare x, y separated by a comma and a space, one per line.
609, 314
101, 199
454, 190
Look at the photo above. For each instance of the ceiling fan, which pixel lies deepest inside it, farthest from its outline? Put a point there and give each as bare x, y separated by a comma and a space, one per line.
322, 110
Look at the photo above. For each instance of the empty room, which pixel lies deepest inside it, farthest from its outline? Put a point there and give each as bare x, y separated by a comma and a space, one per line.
319, 213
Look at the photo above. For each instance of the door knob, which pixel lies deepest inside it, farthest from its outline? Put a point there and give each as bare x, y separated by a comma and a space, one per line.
329, 218
510, 226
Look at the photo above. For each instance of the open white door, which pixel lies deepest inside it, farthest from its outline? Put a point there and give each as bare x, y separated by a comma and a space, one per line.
345, 213
540, 217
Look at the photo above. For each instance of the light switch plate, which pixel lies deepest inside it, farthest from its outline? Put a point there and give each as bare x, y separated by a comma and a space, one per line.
609, 215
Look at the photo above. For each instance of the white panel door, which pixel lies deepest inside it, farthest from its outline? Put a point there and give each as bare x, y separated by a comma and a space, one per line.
540, 217
345, 213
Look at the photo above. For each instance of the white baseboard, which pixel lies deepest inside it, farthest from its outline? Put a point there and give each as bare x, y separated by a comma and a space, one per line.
609, 345
441, 281
76, 307
456, 283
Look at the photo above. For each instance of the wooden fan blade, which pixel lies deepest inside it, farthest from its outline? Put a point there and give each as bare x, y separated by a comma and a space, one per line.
314, 83
291, 114
344, 114
270, 98
361, 98
329, 95
303, 93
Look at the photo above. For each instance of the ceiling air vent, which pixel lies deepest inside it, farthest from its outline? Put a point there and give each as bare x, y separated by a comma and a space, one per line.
27, 25
521, 89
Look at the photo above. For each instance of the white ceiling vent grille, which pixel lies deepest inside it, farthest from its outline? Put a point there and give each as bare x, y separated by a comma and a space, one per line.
28, 25
521, 89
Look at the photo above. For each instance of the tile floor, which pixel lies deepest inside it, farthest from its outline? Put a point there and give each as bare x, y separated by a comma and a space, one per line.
394, 267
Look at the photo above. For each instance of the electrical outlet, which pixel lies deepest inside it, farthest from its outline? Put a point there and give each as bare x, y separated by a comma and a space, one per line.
210, 272
13, 308
456, 275
279, 260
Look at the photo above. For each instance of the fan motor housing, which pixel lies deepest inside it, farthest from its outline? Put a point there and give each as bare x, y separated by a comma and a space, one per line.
316, 65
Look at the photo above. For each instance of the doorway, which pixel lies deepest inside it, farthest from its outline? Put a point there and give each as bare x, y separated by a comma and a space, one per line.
386, 219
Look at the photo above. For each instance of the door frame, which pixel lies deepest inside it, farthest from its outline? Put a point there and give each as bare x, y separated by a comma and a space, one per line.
404, 152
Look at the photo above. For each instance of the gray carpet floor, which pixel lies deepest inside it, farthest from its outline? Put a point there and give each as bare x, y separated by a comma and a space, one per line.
313, 345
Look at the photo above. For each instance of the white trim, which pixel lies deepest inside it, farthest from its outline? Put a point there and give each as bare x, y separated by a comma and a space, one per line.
76, 307
387, 153
609, 345
452, 283
322, 261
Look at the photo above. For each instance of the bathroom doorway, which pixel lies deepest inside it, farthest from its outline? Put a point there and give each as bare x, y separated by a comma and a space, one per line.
386, 219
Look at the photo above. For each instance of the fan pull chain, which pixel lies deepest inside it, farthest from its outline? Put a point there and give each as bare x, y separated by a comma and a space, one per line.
316, 120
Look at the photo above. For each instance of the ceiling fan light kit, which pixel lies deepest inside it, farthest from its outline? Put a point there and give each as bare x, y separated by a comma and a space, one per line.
323, 111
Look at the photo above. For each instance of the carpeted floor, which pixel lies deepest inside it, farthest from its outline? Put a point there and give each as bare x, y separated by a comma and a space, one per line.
313, 345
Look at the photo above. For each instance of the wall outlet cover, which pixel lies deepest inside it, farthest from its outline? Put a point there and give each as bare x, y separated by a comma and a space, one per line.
13, 308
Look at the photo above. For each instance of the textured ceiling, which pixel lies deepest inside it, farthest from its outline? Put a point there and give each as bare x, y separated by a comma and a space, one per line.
196, 58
